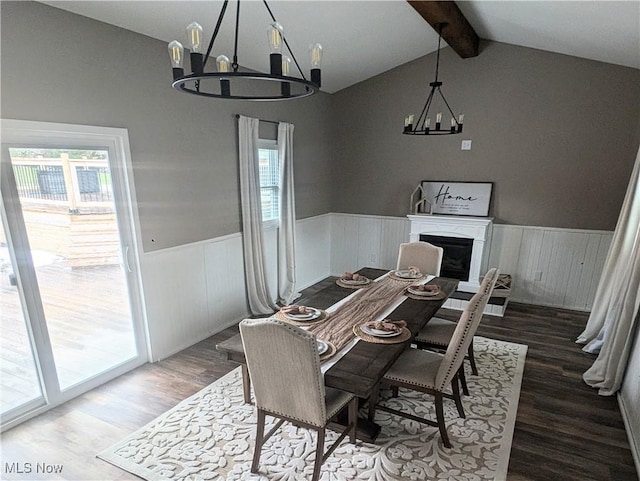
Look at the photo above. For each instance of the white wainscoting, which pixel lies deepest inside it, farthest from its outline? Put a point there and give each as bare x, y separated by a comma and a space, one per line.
196, 290
366, 241
192, 291
313, 250
550, 266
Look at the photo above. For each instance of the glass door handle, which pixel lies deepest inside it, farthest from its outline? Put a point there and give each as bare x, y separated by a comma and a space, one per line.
126, 260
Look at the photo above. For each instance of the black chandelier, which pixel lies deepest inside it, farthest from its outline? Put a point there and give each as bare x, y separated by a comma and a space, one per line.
423, 125
228, 83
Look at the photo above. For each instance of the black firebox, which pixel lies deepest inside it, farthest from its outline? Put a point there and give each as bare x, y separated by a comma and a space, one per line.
456, 260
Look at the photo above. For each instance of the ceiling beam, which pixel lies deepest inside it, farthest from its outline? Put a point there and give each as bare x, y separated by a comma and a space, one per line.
458, 33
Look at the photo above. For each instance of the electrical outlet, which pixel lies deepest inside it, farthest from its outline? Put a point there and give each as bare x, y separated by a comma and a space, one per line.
466, 145
373, 258
537, 276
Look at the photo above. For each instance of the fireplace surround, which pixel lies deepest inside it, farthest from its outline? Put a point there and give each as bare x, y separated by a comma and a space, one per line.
478, 230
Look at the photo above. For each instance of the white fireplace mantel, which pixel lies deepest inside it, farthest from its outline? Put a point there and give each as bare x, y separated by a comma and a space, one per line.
479, 229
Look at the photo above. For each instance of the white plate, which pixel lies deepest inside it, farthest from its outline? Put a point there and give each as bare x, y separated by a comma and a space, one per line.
310, 316
377, 333
408, 275
355, 283
423, 293
322, 347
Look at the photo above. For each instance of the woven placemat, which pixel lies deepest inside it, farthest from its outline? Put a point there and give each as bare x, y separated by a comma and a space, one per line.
393, 275
405, 335
330, 352
437, 297
352, 286
323, 316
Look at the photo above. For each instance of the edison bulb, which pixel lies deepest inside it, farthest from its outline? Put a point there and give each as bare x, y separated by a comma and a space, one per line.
194, 33
275, 34
315, 54
286, 65
176, 54
223, 63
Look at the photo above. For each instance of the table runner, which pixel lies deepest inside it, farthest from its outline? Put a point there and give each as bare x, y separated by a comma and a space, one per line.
364, 305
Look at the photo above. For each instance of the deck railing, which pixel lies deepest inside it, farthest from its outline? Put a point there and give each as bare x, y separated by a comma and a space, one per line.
78, 183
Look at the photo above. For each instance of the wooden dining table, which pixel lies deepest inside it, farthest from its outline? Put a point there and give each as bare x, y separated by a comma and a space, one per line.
360, 370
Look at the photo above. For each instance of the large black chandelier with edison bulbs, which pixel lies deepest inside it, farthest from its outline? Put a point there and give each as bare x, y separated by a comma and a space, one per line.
226, 81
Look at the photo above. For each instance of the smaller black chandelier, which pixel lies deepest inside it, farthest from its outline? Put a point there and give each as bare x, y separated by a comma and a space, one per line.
423, 125
228, 83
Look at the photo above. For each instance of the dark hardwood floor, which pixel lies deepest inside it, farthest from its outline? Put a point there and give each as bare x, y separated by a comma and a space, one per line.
564, 430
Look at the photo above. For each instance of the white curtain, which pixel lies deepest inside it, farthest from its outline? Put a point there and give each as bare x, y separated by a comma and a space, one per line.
258, 292
286, 231
611, 325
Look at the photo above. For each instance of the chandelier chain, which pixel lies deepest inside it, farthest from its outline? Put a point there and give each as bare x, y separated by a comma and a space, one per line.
235, 44
215, 32
438, 54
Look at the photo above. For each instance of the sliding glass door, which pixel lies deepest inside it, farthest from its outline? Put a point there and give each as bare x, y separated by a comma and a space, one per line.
18, 369
68, 209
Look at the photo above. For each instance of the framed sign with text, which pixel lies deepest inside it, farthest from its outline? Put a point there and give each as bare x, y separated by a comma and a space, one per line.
458, 198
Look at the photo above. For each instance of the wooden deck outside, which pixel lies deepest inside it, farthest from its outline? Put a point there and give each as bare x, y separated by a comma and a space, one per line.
88, 322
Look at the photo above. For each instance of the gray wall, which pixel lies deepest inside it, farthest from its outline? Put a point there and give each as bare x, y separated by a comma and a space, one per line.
557, 135
61, 67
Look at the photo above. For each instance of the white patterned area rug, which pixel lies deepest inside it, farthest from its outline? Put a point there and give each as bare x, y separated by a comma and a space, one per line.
210, 436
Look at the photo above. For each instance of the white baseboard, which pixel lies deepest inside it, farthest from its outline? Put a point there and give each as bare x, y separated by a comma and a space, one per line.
489, 310
313, 282
220, 326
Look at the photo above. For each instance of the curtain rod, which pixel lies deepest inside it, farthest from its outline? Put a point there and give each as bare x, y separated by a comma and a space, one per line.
263, 120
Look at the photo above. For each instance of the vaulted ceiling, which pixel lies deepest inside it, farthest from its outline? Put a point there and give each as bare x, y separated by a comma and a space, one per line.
362, 39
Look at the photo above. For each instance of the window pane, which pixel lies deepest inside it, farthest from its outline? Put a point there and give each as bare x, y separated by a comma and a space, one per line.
269, 183
18, 373
269, 203
70, 219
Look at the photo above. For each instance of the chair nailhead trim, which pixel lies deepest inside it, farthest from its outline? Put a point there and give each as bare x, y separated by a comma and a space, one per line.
472, 316
316, 360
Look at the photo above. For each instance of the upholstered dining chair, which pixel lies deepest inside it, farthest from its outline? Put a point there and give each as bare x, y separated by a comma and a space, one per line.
432, 372
437, 333
284, 367
424, 256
